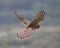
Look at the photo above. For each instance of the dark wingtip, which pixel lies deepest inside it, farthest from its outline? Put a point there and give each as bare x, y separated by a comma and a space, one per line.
43, 11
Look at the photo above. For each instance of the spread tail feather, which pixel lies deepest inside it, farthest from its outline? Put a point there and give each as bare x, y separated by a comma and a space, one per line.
27, 32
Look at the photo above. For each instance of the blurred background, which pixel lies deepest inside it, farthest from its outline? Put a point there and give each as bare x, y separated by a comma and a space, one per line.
47, 36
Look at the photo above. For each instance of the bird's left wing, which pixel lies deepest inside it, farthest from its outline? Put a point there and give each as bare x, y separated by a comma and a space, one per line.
23, 20
26, 33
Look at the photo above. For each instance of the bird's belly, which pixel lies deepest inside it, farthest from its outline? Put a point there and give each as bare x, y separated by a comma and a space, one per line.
34, 26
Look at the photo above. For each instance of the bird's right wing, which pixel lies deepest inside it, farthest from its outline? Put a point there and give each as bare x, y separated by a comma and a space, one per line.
23, 20
39, 17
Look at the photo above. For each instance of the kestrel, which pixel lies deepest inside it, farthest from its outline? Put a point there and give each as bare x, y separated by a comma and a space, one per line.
30, 26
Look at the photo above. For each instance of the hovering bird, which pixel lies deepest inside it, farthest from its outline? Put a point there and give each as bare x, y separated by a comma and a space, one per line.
30, 26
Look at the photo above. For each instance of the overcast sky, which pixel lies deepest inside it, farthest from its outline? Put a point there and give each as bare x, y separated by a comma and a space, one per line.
28, 9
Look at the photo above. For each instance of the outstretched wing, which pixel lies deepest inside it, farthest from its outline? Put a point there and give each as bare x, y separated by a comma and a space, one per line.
27, 32
23, 20
39, 17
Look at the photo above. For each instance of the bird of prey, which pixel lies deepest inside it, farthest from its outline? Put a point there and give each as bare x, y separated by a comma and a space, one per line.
30, 26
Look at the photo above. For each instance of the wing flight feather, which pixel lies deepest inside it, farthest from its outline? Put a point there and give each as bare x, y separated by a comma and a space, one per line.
23, 20
39, 17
